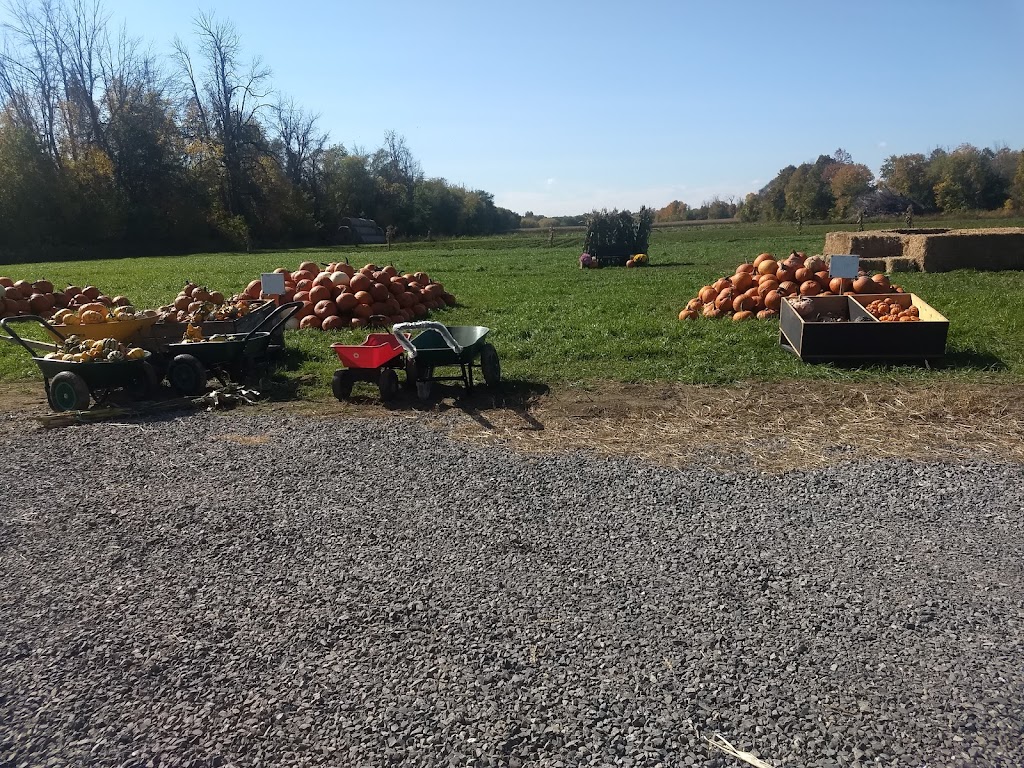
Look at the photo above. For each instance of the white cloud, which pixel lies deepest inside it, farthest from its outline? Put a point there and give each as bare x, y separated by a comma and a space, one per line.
550, 182
883, 144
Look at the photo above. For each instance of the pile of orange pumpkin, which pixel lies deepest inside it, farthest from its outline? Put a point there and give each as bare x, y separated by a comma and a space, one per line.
890, 311
757, 288
39, 297
340, 296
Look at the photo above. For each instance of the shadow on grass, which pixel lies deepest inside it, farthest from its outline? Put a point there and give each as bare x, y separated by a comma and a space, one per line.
956, 360
509, 395
970, 360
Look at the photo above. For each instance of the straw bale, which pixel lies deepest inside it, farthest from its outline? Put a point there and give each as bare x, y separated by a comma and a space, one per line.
973, 249
932, 250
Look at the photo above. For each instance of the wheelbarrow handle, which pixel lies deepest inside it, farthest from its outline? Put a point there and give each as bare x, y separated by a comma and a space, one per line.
283, 314
399, 329
7, 322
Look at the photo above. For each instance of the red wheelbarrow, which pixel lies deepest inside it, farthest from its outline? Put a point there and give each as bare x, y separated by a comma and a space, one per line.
376, 360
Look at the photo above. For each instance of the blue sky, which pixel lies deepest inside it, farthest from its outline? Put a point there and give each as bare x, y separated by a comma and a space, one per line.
564, 107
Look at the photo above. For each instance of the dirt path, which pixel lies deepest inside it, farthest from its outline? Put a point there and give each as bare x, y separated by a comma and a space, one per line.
774, 426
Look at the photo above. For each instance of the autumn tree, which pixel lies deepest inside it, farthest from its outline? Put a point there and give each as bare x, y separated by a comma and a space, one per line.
674, 211
848, 181
1016, 198
228, 100
908, 175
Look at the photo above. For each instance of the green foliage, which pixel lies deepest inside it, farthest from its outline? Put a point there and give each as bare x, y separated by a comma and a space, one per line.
848, 182
95, 150
613, 236
1016, 198
30, 191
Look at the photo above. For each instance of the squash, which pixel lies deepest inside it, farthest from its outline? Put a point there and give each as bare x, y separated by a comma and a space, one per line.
94, 306
91, 317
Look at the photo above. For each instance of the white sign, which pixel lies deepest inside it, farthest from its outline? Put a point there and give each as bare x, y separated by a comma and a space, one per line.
843, 266
272, 283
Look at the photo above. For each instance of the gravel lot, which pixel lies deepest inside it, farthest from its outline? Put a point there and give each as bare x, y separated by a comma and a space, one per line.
260, 588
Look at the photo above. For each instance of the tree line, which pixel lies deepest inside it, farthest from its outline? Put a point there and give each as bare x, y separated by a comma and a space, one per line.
105, 145
834, 188
945, 181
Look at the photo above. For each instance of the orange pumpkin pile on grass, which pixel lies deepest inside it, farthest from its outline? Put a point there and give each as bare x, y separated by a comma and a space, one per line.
340, 296
757, 288
40, 297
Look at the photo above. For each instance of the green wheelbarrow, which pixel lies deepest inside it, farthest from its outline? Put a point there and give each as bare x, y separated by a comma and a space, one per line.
430, 345
71, 385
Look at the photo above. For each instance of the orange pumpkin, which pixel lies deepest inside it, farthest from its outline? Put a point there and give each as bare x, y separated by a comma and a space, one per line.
90, 317
741, 281
810, 288
94, 306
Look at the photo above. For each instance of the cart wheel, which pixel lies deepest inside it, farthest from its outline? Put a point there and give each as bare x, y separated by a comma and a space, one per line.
187, 375
341, 384
424, 389
68, 392
411, 373
146, 384
388, 384
490, 365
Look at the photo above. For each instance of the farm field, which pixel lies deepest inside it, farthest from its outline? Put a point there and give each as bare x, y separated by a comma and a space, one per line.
654, 533
555, 324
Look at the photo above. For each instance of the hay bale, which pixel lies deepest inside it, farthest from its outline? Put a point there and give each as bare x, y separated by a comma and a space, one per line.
867, 245
874, 265
932, 250
974, 249
902, 264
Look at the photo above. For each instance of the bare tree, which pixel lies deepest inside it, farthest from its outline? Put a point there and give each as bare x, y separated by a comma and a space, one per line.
30, 78
228, 101
301, 142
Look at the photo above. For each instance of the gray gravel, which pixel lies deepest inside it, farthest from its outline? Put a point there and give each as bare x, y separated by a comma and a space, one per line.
350, 592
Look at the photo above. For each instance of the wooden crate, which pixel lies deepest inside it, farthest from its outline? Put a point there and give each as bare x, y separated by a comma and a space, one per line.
863, 336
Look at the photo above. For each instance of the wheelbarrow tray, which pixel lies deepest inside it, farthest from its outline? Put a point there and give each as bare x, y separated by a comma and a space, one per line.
134, 329
378, 349
431, 349
170, 333
106, 374
214, 353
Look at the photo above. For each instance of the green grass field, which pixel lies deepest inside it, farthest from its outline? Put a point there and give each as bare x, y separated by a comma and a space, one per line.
554, 323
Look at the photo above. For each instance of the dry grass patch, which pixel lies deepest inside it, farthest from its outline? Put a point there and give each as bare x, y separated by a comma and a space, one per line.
246, 439
775, 427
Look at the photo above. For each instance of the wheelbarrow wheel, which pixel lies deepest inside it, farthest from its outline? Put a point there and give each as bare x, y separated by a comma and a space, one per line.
146, 384
411, 373
187, 375
424, 389
490, 365
341, 384
68, 392
388, 384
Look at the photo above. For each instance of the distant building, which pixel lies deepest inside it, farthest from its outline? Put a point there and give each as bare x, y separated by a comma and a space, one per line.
355, 231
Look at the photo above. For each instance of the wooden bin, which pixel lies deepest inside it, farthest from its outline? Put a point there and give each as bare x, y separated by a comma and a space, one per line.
863, 336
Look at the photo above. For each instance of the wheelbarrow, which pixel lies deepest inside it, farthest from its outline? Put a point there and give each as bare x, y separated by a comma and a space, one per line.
163, 333
437, 346
375, 361
229, 356
70, 385
134, 330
